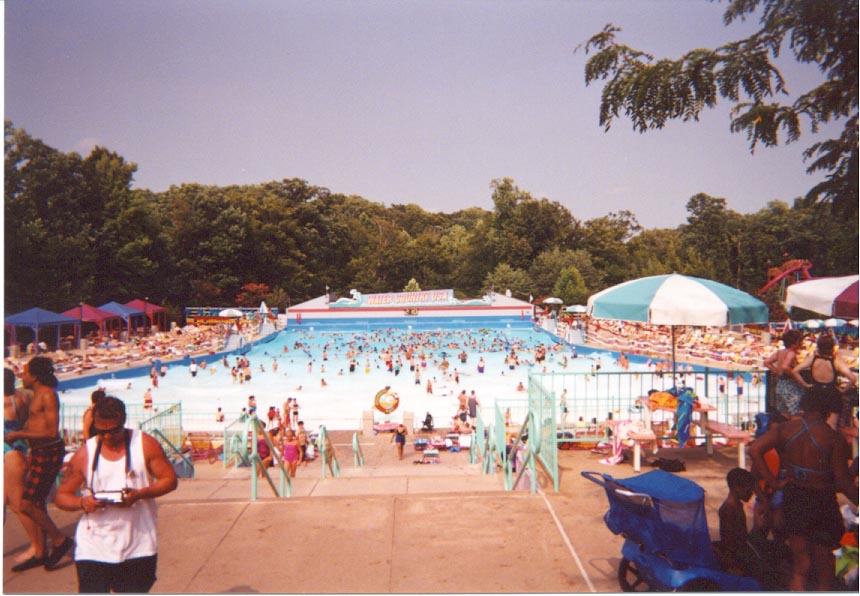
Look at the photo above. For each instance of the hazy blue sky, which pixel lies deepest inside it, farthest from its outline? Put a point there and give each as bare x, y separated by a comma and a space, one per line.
395, 101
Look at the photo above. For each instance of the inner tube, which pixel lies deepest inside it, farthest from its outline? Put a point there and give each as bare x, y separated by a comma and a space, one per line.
386, 401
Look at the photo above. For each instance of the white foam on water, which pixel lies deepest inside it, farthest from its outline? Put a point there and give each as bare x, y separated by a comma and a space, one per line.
340, 404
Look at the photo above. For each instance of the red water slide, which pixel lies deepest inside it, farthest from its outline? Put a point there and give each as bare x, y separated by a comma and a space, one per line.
775, 275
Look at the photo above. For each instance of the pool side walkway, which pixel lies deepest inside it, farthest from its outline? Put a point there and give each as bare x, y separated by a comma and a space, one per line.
390, 527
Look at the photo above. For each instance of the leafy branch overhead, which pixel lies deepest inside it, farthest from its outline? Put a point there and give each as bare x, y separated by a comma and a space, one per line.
652, 92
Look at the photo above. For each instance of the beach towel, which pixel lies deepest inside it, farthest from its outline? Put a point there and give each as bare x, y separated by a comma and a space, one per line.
684, 415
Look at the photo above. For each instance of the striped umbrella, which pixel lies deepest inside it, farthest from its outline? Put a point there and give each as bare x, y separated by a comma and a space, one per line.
829, 296
677, 300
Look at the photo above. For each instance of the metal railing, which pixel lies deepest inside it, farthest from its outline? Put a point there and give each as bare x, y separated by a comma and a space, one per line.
71, 423
327, 454
593, 398
357, 455
510, 442
236, 448
543, 432
255, 427
482, 444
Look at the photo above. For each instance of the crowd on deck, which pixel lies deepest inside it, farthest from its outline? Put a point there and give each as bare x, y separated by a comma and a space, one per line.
141, 349
709, 344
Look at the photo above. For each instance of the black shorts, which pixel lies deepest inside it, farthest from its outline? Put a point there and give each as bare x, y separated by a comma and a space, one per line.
812, 514
134, 576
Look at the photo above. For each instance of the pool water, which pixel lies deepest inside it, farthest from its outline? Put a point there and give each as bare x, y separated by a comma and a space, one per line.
297, 360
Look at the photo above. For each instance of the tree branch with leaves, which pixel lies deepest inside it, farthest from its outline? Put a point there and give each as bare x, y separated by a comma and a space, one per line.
823, 32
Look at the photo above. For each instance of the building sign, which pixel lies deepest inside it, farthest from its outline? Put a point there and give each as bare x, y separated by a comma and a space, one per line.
406, 300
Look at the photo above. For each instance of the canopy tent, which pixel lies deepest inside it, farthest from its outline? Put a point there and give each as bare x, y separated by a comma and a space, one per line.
85, 313
37, 318
127, 313
156, 314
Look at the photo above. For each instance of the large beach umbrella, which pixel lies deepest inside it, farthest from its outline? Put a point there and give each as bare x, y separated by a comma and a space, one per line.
577, 308
230, 312
829, 296
677, 300
835, 322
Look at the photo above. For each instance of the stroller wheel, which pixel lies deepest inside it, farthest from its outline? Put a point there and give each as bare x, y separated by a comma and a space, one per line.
629, 577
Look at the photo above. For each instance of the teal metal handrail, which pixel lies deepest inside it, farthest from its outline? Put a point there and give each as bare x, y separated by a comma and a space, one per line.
328, 454
357, 455
253, 427
171, 449
236, 450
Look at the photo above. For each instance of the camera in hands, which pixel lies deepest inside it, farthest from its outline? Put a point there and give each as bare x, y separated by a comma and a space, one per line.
110, 496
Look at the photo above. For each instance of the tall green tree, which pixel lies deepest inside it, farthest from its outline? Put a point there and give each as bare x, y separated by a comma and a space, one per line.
821, 32
504, 277
48, 228
605, 239
208, 238
570, 286
711, 232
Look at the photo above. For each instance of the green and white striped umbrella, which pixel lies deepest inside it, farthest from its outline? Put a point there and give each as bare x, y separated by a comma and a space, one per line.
677, 300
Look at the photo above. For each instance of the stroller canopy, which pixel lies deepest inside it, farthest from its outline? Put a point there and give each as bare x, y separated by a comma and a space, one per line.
664, 486
673, 525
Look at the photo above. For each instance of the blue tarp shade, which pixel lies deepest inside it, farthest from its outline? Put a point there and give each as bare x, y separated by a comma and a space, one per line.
37, 318
124, 311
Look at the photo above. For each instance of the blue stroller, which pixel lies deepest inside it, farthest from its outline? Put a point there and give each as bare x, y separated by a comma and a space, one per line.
667, 547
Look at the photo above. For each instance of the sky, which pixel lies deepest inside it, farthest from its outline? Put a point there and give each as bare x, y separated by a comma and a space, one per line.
395, 101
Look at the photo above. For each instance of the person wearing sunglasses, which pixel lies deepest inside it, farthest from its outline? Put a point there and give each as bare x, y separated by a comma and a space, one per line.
114, 480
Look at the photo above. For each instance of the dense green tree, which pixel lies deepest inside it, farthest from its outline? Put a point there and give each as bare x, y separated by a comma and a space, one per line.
605, 239
48, 231
821, 32
504, 277
524, 227
208, 238
570, 287
74, 230
656, 252
710, 232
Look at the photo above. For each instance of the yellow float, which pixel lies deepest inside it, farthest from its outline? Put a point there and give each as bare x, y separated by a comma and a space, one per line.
386, 401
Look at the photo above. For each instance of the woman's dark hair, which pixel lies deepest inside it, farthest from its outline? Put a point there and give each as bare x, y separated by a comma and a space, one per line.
109, 408
791, 337
42, 368
97, 395
8, 381
825, 345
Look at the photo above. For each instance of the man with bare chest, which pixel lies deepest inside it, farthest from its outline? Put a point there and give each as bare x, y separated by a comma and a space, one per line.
47, 450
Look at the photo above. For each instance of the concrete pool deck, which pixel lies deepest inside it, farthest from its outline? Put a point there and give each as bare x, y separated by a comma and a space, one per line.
389, 527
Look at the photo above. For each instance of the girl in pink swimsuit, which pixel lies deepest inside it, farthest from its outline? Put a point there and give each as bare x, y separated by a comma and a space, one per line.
291, 452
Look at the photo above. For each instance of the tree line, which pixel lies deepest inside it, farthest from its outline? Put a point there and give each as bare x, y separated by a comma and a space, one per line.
76, 231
